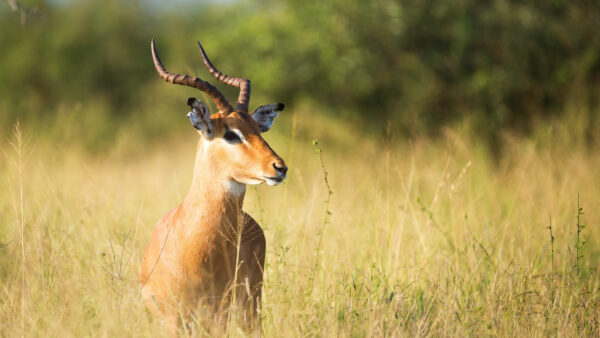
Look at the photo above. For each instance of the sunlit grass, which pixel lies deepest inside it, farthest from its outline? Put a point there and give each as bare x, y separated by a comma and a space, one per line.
423, 237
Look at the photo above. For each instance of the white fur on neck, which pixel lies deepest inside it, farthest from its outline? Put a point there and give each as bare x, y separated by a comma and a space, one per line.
235, 188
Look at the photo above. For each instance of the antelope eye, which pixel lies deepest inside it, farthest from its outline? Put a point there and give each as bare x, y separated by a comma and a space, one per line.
232, 137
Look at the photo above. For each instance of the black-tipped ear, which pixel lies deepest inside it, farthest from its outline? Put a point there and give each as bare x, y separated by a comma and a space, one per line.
264, 115
190, 101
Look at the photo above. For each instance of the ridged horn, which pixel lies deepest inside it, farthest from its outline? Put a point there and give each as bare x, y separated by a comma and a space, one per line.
191, 81
241, 83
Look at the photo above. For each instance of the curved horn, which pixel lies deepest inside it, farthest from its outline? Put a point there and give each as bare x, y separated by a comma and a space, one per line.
241, 83
222, 104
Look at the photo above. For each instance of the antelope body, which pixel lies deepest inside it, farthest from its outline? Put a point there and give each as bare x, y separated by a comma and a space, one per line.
207, 249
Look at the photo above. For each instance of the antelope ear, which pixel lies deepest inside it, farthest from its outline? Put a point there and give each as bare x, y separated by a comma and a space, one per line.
264, 115
200, 117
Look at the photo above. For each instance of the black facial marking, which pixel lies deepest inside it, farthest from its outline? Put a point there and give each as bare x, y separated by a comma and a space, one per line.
231, 137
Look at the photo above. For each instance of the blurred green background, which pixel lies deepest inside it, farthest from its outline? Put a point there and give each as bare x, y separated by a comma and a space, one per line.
83, 68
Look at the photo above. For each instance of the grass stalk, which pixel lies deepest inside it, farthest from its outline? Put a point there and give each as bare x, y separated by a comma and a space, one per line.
327, 212
17, 146
261, 211
388, 141
290, 160
579, 243
233, 312
551, 247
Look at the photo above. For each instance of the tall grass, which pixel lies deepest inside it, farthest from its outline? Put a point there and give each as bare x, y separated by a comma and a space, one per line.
424, 237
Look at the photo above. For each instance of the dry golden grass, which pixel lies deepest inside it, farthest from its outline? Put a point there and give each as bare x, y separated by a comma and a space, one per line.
424, 237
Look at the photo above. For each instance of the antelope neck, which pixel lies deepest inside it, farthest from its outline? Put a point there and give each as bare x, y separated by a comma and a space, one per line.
211, 192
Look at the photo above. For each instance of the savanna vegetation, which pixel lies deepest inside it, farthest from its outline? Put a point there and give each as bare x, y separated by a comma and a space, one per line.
453, 189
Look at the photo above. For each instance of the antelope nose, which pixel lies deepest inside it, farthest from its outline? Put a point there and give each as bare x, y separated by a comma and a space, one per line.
281, 168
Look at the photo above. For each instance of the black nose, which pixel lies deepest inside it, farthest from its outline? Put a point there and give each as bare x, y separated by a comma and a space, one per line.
282, 170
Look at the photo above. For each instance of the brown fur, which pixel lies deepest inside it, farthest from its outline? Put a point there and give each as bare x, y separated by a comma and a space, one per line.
189, 263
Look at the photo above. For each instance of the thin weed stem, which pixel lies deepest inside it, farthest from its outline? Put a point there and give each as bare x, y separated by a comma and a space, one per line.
552, 290
116, 268
551, 246
579, 243
290, 160
232, 305
327, 212
259, 205
388, 141
18, 148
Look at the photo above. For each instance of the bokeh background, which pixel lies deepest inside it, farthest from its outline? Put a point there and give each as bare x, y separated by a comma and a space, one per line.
453, 190
419, 65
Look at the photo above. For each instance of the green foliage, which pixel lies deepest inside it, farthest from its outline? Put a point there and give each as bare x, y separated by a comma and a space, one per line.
500, 65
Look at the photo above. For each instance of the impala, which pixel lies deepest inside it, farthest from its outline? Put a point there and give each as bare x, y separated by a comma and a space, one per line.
207, 253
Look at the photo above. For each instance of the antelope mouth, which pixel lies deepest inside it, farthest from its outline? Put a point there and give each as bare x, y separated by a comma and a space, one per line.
274, 180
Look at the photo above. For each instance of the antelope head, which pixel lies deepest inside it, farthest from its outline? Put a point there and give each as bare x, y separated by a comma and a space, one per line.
231, 137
